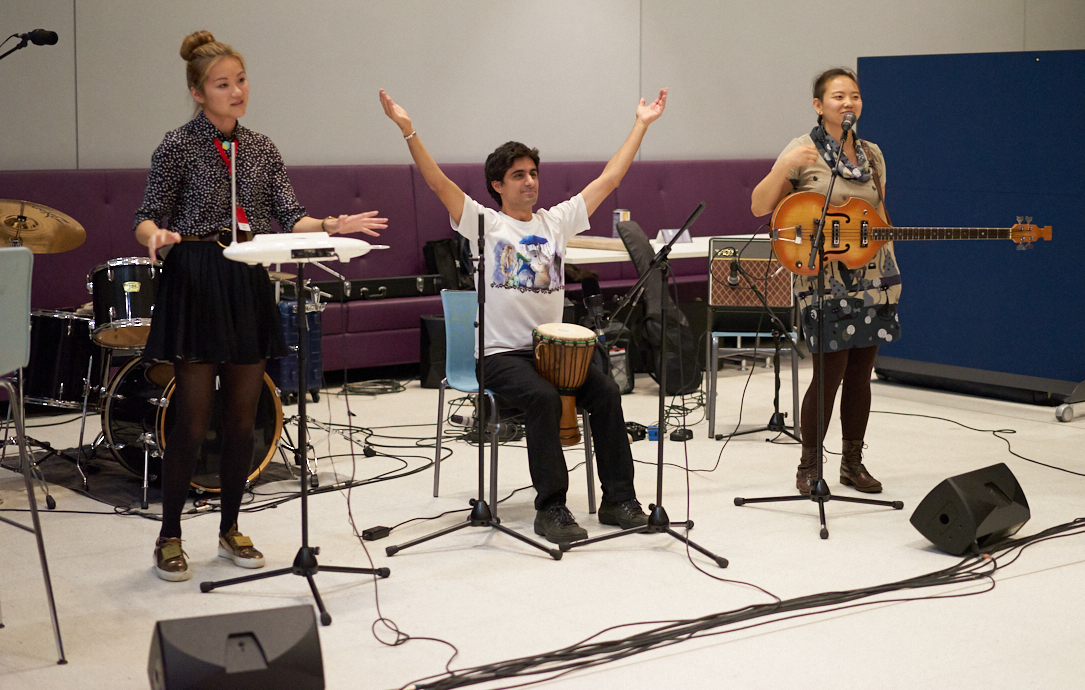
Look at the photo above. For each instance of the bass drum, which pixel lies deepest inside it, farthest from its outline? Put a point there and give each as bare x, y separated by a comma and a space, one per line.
137, 403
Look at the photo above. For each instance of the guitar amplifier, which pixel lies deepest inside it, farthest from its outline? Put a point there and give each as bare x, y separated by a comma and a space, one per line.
736, 307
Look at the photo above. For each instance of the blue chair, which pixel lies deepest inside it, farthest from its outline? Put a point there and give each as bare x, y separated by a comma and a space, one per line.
460, 308
16, 265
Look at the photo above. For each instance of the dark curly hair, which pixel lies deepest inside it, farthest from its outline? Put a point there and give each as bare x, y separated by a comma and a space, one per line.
823, 79
499, 162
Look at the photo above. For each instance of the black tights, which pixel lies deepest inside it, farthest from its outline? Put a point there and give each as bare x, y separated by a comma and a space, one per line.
192, 400
852, 368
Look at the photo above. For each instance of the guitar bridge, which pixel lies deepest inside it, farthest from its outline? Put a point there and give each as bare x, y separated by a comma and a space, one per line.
864, 233
836, 233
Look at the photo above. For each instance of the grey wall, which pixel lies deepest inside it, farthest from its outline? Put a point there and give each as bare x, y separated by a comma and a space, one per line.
563, 75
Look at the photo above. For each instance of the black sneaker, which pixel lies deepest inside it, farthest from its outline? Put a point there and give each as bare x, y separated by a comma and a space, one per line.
558, 525
626, 514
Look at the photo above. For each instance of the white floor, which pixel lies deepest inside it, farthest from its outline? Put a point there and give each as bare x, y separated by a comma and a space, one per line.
495, 598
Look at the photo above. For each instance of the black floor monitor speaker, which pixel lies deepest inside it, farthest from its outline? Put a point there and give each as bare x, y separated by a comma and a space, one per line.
269, 650
432, 351
975, 509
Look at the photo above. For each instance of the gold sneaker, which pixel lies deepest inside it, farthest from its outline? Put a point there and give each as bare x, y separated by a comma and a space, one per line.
239, 549
169, 560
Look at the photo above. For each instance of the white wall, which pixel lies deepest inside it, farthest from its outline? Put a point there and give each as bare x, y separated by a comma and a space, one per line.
563, 75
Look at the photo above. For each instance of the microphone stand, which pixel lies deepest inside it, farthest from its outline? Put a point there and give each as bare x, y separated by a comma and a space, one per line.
20, 45
819, 492
305, 563
776, 421
658, 521
481, 516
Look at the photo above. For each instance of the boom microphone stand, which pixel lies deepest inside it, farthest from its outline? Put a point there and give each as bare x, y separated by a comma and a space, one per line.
776, 421
658, 521
481, 516
819, 492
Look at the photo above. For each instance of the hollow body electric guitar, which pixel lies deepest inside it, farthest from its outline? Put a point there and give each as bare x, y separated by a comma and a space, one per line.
855, 232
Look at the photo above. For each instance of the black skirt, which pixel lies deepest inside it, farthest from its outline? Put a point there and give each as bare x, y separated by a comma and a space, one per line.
214, 310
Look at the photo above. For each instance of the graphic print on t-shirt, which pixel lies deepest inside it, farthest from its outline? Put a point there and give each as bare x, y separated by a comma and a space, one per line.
531, 265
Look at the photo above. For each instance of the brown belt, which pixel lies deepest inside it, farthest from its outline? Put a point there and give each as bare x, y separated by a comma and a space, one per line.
223, 237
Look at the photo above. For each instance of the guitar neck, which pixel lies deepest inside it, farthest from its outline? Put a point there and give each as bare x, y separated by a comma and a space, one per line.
887, 234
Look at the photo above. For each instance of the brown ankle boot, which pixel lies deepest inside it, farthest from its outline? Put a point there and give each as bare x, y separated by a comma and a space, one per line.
808, 470
852, 471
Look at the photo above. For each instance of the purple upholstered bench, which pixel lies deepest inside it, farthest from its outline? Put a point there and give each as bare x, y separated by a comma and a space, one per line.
660, 194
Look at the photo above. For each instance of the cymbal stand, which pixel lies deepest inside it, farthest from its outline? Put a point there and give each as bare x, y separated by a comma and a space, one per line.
658, 521
819, 492
35, 470
481, 516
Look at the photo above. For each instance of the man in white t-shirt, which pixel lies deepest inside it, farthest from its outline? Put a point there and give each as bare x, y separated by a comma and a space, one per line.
525, 287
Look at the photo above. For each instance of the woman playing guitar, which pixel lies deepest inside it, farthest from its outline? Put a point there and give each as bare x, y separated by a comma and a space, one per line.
860, 303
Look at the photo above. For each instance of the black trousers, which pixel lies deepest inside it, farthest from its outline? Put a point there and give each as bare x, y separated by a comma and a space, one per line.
512, 375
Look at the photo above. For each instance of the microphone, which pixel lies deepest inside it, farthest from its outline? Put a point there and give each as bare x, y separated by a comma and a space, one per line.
732, 277
846, 125
40, 37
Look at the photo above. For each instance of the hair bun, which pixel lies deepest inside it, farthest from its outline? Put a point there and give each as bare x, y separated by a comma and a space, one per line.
194, 41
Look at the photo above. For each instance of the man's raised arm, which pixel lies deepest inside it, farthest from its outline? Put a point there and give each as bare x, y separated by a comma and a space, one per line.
450, 195
612, 175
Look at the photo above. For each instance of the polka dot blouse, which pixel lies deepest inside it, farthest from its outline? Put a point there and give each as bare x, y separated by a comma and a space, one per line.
188, 188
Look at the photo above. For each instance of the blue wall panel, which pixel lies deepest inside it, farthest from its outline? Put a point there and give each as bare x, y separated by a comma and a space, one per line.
977, 140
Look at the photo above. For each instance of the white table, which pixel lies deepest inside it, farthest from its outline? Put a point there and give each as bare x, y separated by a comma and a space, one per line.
681, 250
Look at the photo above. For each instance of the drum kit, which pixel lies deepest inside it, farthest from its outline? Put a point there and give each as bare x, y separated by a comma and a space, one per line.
72, 358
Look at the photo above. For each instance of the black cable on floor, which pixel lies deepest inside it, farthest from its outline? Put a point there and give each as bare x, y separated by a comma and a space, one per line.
590, 653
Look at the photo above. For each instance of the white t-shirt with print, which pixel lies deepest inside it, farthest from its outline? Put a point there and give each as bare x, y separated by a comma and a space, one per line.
525, 273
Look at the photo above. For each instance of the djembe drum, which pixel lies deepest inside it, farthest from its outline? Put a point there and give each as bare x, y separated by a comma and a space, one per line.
563, 353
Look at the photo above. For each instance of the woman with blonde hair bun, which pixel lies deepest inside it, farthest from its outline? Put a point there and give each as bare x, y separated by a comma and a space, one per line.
216, 318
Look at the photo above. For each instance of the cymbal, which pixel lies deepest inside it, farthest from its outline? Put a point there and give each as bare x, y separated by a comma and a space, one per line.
39, 228
279, 275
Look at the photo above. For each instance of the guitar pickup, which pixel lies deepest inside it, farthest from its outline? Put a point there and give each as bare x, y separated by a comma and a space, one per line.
836, 233
864, 233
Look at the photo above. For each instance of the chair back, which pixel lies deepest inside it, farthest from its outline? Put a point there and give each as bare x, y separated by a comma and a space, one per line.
16, 266
460, 307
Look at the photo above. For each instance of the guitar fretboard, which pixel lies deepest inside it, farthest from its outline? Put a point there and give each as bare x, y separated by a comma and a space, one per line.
885, 234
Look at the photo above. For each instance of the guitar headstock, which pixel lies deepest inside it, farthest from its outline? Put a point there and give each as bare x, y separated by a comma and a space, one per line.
1026, 233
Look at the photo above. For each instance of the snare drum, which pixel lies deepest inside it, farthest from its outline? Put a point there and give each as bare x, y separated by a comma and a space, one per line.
563, 354
123, 293
137, 402
60, 351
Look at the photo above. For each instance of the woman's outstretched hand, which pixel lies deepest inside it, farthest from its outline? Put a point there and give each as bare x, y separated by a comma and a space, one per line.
360, 222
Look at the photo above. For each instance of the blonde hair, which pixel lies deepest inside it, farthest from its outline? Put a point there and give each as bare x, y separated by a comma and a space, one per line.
201, 51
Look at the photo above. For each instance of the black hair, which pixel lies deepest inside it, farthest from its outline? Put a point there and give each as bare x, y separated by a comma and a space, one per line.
499, 162
827, 76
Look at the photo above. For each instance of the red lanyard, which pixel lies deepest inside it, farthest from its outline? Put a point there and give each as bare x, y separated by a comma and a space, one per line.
222, 152
242, 218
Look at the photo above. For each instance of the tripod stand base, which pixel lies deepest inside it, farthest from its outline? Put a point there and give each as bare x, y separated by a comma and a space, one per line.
658, 523
820, 494
480, 517
776, 425
305, 565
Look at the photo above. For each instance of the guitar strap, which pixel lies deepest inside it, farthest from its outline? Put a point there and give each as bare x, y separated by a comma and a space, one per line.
878, 182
